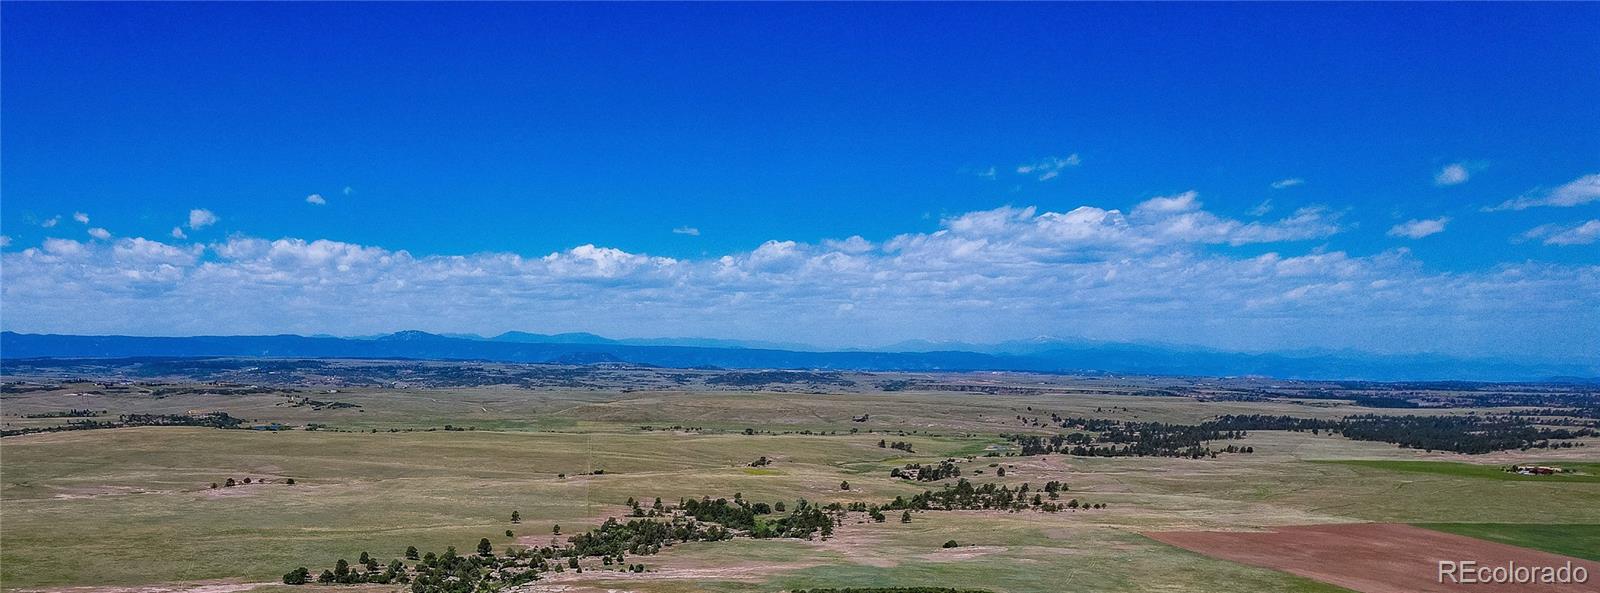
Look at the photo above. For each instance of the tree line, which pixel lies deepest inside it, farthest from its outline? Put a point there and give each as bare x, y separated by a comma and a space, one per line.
1468, 433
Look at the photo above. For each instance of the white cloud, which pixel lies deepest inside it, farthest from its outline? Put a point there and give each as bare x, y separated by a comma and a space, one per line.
1149, 273
1417, 229
51, 222
1185, 202
349, 190
1261, 209
80, 217
200, 218
1577, 192
988, 173
1287, 183
316, 199
1583, 233
99, 233
686, 230
5, 240
853, 245
1049, 167
63, 248
177, 233
1452, 174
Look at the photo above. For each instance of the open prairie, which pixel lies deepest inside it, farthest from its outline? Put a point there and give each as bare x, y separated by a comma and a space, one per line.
131, 508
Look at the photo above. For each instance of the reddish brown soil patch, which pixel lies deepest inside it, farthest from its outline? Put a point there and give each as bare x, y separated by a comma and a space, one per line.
1375, 557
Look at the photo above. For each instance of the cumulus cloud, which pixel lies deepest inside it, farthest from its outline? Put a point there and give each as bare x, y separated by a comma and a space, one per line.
316, 199
177, 233
349, 190
1417, 229
686, 230
1580, 191
1583, 233
1152, 272
1452, 174
852, 245
80, 217
50, 222
5, 240
99, 233
1049, 167
200, 218
1287, 183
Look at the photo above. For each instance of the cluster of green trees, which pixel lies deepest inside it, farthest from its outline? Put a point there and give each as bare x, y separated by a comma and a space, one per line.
927, 473
366, 570
661, 526
211, 420
759, 519
1461, 434
901, 445
74, 413
487, 571
1152, 439
965, 496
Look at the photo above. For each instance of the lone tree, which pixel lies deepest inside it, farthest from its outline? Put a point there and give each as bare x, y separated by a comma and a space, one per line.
905, 517
844, 485
951, 544
229, 482
485, 548
555, 530
516, 517
411, 553
289, 481
510, 534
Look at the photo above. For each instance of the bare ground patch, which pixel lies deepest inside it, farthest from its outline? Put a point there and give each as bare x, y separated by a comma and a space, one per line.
1373, 557
962, 553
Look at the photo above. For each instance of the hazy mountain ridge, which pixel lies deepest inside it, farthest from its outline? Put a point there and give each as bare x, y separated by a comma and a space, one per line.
1040, 355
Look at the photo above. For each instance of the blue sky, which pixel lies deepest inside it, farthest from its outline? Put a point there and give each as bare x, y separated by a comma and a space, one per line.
1447, 152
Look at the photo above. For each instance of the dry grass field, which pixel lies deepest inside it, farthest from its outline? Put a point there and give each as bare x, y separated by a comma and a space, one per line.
132, 509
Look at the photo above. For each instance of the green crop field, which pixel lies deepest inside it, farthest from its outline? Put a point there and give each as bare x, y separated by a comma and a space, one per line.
1571, 539
1581, 472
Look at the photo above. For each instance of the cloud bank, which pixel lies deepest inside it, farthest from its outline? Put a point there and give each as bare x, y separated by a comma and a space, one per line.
1167, 269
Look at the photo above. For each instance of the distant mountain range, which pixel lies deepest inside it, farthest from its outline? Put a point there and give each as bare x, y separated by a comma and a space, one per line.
1037, 355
